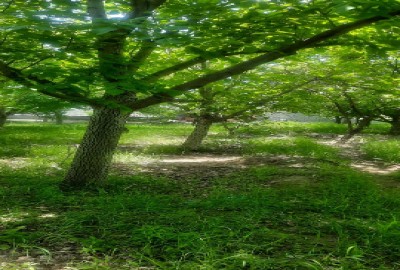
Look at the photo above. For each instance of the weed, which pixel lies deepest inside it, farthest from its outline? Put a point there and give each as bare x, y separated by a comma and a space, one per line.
335, 218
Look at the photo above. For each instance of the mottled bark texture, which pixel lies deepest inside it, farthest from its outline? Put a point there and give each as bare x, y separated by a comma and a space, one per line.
195, 139
93, 158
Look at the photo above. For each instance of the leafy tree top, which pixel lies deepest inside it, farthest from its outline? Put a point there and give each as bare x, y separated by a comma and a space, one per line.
142, 52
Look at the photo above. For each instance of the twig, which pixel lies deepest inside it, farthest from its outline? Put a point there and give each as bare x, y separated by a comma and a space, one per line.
8, 6
69, 154
35, 63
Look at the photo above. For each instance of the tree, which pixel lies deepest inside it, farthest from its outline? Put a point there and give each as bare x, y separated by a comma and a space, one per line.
360, 86
240, 99
127, 55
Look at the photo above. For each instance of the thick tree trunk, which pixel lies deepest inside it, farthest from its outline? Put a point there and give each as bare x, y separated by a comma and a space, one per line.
202, 126
3, 116
93, 158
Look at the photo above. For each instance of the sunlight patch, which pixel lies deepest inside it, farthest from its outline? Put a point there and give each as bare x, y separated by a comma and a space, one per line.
200, 159
13, 217
48, 215
15, 163
370, 167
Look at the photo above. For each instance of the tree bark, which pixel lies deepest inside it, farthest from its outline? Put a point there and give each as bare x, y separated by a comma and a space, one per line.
202, 126
93, 158
395, 126
3, 116
361, 125
338, 119
59, 117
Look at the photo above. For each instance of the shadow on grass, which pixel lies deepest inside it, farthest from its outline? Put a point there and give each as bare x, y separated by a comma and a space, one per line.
154, 222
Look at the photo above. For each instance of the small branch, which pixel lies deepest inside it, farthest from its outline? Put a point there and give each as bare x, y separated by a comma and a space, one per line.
4, 38
152, 100
265, 100
143, 53
173, 69
194, 61
187, 100
40, 84
253, 62
35, 63
12, 61
351, 102
8, 6
281, 52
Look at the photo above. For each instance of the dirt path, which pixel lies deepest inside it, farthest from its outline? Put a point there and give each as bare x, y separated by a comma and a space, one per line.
352, 150
203, 166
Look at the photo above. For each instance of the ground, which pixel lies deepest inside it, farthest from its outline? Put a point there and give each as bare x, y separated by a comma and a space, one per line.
206, 165
278, 202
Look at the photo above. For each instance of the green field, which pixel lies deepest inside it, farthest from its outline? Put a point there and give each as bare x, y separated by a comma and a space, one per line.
274, 196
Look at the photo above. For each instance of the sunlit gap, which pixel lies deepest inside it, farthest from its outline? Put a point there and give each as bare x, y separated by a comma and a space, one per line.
200, 159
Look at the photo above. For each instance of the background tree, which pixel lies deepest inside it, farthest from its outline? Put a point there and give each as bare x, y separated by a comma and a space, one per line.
236, 100
361, 87
124, 56
19, 100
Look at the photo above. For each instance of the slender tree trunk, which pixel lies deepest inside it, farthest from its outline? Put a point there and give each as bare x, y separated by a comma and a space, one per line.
338, 119
59, 117
3, 116
362, 123
93, 158
202, 126
395, 126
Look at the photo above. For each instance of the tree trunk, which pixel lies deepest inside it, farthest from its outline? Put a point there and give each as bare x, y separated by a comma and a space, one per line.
362, 123
59, 117
93, 158
338, 119
395, 126
3, 116
202, 126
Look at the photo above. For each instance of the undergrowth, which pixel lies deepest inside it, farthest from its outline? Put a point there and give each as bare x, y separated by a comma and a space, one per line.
316, 216
387, 150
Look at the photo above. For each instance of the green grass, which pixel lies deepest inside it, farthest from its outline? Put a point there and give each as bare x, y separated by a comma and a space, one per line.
298, 146
298, 128
327, 216
387, 150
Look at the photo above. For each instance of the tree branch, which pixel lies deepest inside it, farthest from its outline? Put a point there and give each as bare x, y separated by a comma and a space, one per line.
32, 81
8, 6
197, 60
4, 38
36, 62
175, 68
265, 100
351, 103
259, 60
280, 53
141, 55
